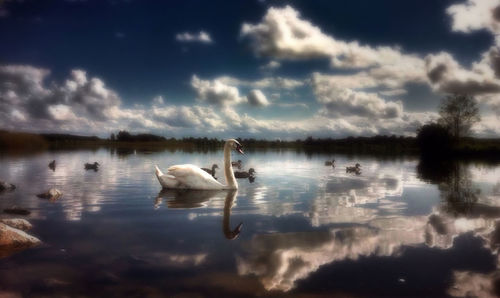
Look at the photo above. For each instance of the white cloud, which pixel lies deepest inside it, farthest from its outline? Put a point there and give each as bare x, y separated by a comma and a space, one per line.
216, 92
158, 100
340, 101
476, 15
201, 36
394, 92
267, 82
84, 104
285, 35
271, 65
293, 105
257, 98
447, 75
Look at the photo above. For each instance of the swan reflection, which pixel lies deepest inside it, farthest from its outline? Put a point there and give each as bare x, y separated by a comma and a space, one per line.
190, 198
187, 198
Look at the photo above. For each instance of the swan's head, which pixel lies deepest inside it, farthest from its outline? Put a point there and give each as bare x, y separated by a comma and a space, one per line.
236, 146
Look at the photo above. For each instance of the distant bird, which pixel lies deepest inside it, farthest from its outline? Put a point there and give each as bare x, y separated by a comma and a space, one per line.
92, 166
52, 165
211, 171
330, 163
356, 169
236, 163
244, 174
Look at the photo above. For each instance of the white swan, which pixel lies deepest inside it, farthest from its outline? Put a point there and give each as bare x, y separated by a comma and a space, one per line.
192, 177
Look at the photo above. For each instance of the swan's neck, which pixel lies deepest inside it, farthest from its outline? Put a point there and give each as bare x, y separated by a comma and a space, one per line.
228, 171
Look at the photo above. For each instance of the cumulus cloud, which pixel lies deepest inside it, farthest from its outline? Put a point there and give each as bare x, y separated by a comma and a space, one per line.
340, 101
257, 98
475, 15
215, 92
188, 117
85, 104
201, 36
22, 89
447, 75
283, 34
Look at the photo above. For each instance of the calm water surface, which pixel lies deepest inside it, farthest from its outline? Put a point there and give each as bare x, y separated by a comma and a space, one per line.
402, 227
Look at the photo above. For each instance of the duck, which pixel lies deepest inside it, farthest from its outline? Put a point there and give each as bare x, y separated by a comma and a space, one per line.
355, 169
52, 165
51, 194
244, 174
330, 163
92, 166
211, 171
188, 176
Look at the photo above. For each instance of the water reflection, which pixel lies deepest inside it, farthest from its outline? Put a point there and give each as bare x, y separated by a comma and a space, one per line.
300, 221
464, 209
186, 198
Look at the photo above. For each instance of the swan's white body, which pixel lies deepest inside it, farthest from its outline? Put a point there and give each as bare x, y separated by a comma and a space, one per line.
192, 177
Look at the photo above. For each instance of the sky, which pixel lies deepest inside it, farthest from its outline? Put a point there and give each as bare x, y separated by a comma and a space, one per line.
261, 69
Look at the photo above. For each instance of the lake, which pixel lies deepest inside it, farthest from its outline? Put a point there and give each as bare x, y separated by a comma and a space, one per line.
401, 227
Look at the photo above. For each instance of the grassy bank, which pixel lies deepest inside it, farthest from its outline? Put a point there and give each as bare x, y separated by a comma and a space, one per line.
14, 142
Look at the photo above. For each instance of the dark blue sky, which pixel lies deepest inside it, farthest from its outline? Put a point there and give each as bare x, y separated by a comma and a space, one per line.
132, 47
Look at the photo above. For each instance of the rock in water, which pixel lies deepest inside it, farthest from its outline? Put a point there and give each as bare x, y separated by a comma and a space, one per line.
6, 186
51, 194
13, 240
17, 210
17, 223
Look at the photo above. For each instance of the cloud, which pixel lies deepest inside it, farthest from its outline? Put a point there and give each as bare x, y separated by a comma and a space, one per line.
447, 75
475, 15
257, 98
271, 65
340, 101
158, 100
188, 117
293, 105
267, 82
394, 92
85, 104
202, 37
283, 34
215, 92
23, 87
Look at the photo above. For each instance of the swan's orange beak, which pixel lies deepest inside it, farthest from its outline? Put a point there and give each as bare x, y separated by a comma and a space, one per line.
239, 148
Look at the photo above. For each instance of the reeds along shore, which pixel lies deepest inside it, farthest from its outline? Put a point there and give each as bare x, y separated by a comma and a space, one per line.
20, 142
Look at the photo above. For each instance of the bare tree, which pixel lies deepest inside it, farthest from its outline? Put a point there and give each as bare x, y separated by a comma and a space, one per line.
458, 113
